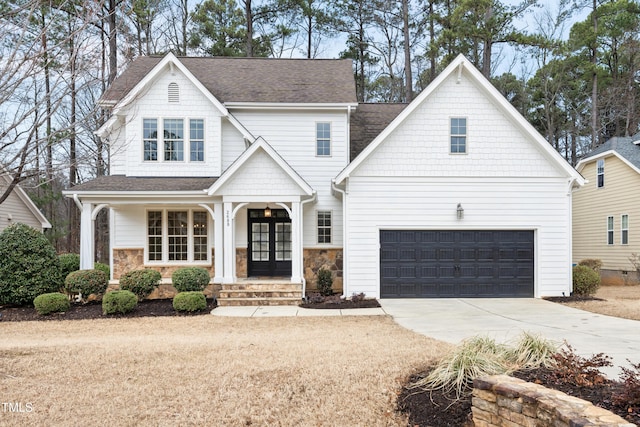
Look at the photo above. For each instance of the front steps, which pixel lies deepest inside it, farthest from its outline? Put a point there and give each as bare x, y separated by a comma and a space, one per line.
255, 292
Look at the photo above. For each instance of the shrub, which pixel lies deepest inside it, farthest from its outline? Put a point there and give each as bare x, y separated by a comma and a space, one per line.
188, 279
189, 301
572, 368
86, 282
53, 302
68, 263
102, 267
119, 302
140, 282
29, 265
594, 264
629, 395
325, 282
585, 280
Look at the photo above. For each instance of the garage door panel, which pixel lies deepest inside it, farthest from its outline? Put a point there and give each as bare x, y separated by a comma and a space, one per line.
456, 263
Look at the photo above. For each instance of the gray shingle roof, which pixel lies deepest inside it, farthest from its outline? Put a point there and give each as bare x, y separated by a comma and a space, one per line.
127, 183
255, 79
368, 121
624, 146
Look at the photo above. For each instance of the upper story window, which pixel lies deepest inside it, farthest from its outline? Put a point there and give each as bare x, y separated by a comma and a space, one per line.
323, 139
624, 229
458, 135
600, 173
324, 226
609, 230
173, 93
169, 145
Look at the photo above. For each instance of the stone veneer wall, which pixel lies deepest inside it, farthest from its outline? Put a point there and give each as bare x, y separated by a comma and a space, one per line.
125, 260
315, 259
504, 401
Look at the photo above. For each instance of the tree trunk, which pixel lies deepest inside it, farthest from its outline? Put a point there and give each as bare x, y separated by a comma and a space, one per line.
407, 52
594, 79
432, 36
249, 18
113, 47
488, 45
73, 239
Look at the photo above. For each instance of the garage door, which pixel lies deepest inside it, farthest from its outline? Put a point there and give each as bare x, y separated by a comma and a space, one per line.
456, 263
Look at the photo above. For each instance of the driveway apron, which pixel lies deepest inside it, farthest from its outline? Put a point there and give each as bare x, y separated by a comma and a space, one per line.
453, 320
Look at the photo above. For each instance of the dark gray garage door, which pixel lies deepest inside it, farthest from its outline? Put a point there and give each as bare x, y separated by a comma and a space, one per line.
456, 263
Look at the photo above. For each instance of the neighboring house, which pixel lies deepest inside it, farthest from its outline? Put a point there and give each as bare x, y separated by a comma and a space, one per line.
19, 208
270, 168
606, 210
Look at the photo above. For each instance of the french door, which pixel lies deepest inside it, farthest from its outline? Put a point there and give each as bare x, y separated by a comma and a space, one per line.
269, 252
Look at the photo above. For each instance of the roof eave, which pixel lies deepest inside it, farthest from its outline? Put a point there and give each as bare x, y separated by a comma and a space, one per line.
290, 105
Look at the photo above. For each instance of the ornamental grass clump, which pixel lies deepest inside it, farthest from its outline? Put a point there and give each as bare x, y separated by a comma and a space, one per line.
53, 302
533, 351
189, 301
140, 282
119, 302
189, 279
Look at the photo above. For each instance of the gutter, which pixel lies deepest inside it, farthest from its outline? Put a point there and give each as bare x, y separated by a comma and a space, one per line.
302, 203
336, 189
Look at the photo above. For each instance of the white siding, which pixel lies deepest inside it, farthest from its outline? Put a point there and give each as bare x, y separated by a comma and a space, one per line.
430, 203
19, 212
232, 144
129, 227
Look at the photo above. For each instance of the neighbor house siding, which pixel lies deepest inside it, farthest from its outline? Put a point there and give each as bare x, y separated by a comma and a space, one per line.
15, 207
541, 205
592, 206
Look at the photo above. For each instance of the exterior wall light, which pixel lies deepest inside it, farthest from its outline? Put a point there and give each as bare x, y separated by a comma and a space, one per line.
459, 211
267, 212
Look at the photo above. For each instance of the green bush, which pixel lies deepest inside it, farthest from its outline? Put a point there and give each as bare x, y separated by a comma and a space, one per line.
189, 301
102, 267
29, 265
325, 282
115, 302
592, 263
140, 282
86, 282
54, 302
586, 281
68, 263
189, 279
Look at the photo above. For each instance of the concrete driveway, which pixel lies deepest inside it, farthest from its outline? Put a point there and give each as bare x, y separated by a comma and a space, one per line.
453, 320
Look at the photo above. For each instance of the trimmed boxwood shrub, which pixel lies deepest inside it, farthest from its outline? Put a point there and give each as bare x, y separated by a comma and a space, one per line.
140, 282
325, 282
68, 263
188, 279
119, 302
53, 302
86, 282
586, 281
29, 265
189, 301
102, 267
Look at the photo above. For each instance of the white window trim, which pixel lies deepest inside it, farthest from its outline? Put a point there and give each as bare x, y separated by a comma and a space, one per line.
598, 173
330, 211
186, 123
466, 136
315, 147
624, 229
611, 230
165, 237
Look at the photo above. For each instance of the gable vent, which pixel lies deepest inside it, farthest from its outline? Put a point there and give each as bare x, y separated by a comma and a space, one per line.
174, 92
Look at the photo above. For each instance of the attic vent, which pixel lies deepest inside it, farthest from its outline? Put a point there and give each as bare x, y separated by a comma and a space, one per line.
174, 92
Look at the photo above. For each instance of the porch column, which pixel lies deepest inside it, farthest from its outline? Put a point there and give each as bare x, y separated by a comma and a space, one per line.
218, 244
229, 252
296, 243
86, 237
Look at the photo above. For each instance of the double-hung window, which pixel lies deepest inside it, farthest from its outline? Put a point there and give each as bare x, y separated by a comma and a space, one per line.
177, 236
600, 173
624, 229
170, 142
323, 139
609, 230
458, 135
196, 140
173, 140
324, 226
150, 139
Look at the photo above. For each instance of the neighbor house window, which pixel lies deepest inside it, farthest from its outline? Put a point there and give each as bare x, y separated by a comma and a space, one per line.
150, 139
324, 226
173, 140
196, 140
610, 230
600, 173
323, 139
624, 229
177, 235
458, 135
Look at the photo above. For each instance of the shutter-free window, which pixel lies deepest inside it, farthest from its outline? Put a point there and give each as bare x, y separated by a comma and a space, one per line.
600, 173
610, 230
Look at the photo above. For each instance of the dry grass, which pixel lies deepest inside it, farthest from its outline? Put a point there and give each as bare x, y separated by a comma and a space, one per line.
621, 301
208, 370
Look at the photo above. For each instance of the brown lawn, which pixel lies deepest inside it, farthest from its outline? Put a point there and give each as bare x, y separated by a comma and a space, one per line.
208, 370
621, 301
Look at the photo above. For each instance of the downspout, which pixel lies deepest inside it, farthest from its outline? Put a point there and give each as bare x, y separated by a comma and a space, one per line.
302, 203
335, 188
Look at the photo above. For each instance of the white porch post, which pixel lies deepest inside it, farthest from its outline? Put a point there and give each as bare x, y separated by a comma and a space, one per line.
229, 252
296, 243
86, 237
218, 227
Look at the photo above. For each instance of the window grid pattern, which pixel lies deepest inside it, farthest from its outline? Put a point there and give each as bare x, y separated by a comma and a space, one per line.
173, 140
154, 232
610, 230
283, 241
324, 226
323, 139
600, 173
200, 236
624, 229
177, 234
150, 139
196, 140
458, 135
260, 241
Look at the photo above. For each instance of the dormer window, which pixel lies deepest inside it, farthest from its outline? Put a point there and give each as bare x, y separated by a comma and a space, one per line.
165, 140
173, 93
600, 173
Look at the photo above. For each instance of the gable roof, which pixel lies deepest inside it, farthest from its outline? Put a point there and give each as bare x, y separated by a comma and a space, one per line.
367, 121
626, 148
24, 197
255, 80
456, 67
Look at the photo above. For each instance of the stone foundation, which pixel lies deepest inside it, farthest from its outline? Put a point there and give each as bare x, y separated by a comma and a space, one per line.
241, 263
504, 401
125, 260
619, 278
315, 259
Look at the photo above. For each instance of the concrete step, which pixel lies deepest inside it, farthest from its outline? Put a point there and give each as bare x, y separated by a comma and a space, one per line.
258, 286
262, 293
235, 302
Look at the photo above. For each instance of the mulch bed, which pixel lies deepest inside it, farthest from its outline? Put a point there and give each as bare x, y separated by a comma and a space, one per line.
436, 409
573, 298
342, 304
